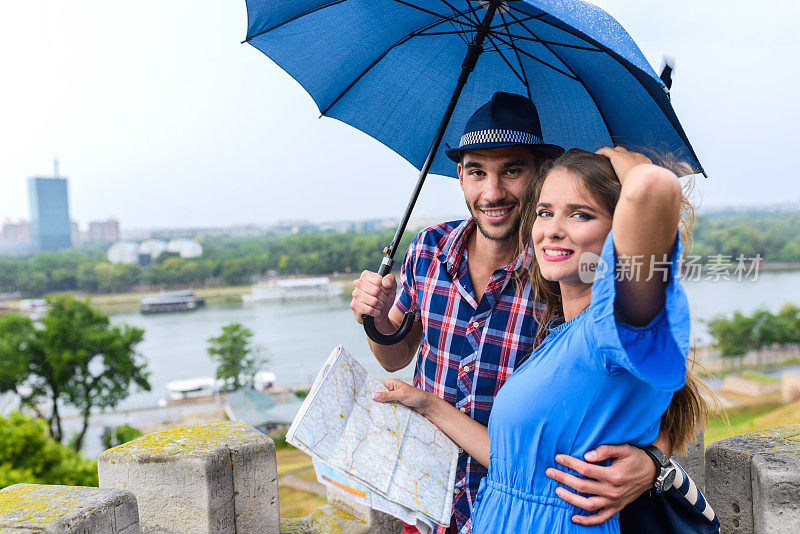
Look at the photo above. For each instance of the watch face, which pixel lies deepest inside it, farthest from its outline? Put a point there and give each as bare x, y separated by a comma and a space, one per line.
669, 479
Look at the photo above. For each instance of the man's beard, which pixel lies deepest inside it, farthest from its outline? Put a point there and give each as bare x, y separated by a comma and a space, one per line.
512, 231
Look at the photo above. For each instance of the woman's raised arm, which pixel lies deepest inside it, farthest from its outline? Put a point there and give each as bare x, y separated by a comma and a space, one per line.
644, 226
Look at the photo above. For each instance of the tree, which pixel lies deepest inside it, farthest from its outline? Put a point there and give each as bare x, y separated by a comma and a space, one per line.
237, 361
119, 435
734, 336
737, 335
87, 278
29, 455
76, 357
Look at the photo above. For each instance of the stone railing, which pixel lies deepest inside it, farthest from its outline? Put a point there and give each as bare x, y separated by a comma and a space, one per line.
222, 478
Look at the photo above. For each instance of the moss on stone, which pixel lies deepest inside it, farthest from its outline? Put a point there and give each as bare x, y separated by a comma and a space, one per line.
325, 520
183, 440
34, 505
785, 438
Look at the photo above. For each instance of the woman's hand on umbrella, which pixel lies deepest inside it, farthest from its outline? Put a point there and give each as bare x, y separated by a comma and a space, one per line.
623, 160
374, 295
418, 400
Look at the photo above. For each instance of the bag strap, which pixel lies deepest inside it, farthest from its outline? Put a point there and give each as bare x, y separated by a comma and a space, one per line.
685, 487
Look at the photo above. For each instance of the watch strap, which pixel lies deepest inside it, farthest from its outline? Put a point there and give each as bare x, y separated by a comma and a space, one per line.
657, 455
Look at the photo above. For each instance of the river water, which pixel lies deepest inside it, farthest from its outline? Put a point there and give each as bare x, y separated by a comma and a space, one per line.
298, 336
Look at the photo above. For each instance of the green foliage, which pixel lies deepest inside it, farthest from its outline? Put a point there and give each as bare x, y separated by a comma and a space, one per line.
119, 435
29, 455
281, 443
737, 335
76, 357
237, 362
235, 260
773, 236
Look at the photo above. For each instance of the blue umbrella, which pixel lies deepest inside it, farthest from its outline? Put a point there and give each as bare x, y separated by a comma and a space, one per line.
410, 72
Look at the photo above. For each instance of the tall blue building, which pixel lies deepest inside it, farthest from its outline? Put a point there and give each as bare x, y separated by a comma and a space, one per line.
50, 223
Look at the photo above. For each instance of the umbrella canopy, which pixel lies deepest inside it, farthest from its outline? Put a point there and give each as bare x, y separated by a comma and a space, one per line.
389, 68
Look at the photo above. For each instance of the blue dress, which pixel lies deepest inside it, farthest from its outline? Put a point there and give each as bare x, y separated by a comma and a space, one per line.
592, 381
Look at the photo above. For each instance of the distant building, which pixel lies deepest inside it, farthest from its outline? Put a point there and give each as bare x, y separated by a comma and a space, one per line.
103, 231
260, 410
49, 203
150, 250
20, 248
123, 252
185, 248
75, 233
19, 232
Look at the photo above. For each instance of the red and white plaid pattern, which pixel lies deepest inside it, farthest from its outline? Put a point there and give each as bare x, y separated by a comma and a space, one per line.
468, 348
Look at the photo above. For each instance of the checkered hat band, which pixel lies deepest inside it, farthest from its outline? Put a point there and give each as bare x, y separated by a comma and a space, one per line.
499, 136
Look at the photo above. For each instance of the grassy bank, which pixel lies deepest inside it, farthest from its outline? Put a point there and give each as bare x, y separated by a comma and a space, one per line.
749, 419
123, 302
294, 502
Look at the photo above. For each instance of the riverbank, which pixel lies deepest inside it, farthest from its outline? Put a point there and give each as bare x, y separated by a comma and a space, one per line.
111, 303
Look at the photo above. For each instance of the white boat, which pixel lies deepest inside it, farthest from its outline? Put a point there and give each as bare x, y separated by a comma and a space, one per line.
191, 387
205, 386
318, 287
171, 301
264, 380
33, 308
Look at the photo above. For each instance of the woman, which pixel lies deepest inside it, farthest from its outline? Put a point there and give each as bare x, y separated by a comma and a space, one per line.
616, 347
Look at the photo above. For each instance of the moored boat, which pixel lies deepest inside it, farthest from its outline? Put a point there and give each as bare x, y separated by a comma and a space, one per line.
171, 301
318, 287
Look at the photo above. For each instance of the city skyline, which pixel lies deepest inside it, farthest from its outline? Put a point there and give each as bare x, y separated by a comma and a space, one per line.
189, 127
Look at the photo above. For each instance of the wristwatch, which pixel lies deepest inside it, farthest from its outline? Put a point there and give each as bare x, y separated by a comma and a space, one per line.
666, 471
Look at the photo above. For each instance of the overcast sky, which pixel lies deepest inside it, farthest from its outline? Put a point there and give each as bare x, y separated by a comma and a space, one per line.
160, 117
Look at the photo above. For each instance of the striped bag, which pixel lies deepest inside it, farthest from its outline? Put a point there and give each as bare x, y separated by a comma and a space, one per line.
680, 510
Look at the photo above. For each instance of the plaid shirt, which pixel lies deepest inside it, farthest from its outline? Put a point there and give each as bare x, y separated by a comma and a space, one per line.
468, 348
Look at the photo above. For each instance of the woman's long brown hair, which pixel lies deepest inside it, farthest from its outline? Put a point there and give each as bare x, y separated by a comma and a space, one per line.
688, 410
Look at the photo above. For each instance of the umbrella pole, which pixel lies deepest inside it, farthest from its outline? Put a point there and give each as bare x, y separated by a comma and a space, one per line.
474, 50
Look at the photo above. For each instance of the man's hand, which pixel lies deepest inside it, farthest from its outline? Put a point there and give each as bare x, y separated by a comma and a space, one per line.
374, 295
630, 474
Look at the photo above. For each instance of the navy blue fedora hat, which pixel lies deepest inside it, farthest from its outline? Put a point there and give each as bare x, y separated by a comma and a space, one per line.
505, 120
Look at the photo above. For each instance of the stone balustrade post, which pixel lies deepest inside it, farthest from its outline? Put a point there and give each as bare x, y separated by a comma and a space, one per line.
693, 462
216, 478
38, 508
342, 516
753, 481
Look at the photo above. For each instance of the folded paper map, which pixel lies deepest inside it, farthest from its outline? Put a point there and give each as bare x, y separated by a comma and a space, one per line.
383, 455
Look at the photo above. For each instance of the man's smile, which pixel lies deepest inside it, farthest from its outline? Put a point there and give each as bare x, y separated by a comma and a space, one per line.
497, 214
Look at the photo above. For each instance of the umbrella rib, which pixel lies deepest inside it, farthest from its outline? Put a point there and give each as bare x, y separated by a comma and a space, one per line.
395, 45
454, 32
554, 43
454, 22
545, 63
292, 19
433, 12
678, 128
516, 53
470, 12
529, 17
567, 29
588, 92
489, 36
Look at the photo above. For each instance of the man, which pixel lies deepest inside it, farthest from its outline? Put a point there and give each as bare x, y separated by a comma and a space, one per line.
466, 283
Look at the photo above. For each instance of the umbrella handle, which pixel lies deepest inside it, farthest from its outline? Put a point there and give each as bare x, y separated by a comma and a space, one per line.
388, 339
408, 319
474, 50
